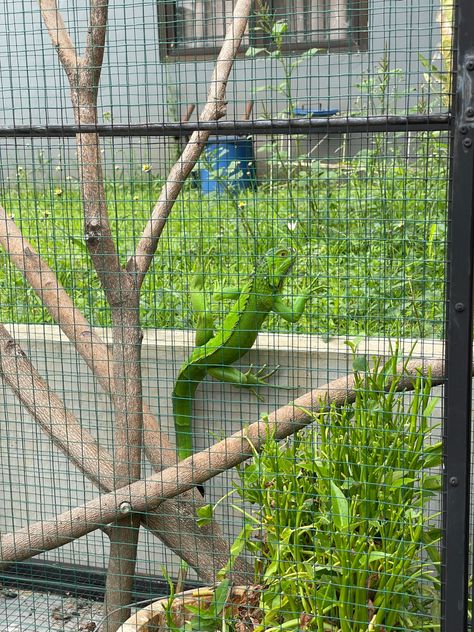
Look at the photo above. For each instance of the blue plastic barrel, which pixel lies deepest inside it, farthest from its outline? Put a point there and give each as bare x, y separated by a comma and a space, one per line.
314, 113
228, 162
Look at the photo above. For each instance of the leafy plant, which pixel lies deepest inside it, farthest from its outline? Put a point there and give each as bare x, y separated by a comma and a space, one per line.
344, 533
347, 234
205, 619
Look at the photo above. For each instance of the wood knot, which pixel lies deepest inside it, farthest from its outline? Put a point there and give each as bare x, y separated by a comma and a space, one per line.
13, 349
92, 231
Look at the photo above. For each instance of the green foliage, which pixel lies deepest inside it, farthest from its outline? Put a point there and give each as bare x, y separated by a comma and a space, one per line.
209, 619
342, 526
371, 228
376, 243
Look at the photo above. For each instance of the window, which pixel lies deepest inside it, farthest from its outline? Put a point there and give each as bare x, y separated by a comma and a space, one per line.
195, 28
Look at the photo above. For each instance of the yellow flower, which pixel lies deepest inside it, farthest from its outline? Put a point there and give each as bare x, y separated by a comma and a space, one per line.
58, 191
146, 168
241, 204
136, 198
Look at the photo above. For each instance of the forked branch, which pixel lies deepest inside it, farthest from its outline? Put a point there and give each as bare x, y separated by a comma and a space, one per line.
121, 288
122, 295
48, 410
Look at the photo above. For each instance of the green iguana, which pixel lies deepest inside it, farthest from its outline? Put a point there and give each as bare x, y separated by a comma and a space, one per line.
214, 353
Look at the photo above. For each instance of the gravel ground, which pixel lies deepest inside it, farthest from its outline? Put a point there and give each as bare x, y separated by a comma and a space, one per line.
25, 611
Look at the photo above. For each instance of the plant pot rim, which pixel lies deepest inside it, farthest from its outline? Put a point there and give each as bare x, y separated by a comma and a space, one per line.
153, 614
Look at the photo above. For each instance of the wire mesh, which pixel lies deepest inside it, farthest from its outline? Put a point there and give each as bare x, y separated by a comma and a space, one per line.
329, 251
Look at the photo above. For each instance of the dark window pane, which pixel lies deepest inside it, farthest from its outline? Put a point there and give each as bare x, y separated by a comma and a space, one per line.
198, 26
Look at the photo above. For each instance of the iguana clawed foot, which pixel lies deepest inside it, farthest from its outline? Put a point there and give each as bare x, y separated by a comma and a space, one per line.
260, 377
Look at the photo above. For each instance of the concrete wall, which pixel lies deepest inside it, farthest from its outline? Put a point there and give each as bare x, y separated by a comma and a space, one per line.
38, 482
137, 86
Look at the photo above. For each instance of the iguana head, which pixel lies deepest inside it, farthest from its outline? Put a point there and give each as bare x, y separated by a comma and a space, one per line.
276, 264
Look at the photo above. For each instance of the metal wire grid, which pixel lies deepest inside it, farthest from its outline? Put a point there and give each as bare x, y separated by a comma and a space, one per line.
366, 213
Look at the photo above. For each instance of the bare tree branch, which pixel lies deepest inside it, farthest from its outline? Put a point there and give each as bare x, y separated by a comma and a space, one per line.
214, 109
97, 464
50, 413
60, 36
95, 43
121, 286
146, 494
88, 344
123, 297
204, 548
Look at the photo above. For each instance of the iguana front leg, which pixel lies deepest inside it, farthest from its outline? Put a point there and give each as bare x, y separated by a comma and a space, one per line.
292, 313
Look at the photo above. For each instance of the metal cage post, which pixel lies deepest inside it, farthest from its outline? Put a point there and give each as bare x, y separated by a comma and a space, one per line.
457, 435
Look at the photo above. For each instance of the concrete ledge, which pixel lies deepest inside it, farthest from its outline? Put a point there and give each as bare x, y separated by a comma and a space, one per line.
38, 481
294, 343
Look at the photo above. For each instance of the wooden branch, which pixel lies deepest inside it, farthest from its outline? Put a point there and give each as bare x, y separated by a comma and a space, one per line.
51, 415
203, 548
121, 287
214, 109
82, 449
74, 325
60, 37
123, 297
128, 441
146, 494
95, 43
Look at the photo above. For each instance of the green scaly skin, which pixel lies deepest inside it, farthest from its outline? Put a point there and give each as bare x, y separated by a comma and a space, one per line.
214, 353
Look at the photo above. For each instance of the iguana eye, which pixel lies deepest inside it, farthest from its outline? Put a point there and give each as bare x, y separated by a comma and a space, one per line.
283, 253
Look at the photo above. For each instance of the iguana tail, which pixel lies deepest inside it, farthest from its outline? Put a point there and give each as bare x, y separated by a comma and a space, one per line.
183, 397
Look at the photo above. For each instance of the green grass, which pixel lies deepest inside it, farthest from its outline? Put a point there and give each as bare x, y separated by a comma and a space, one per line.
373, 232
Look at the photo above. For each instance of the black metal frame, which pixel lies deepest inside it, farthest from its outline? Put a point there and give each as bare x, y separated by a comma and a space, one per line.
336, 125
458, 394
459, 296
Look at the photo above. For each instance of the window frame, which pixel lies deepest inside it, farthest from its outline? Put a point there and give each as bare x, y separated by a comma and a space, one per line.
356, 40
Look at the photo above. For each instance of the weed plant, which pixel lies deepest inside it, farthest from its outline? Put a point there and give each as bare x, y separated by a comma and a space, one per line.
342, 520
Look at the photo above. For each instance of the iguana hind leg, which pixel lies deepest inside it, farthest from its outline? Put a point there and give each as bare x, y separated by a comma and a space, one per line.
248, 379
